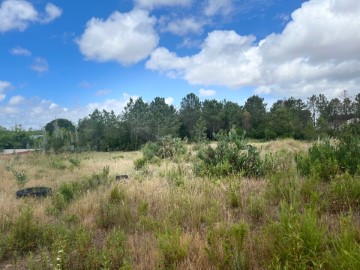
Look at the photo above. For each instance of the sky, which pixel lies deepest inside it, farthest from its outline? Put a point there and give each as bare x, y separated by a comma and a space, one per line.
64, 59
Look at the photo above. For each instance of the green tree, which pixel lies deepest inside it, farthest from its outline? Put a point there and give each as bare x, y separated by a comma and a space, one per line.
190, 112
232, 115
256, 107
213, 114
163, 119
136, 118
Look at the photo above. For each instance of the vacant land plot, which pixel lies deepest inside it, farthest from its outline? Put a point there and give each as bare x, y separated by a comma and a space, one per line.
164, 216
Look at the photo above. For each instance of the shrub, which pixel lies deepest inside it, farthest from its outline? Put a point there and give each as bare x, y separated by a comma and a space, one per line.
320, 160
230, 156
164, 148
327, 159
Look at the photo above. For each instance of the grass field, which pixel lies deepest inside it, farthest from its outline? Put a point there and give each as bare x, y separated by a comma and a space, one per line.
165, 217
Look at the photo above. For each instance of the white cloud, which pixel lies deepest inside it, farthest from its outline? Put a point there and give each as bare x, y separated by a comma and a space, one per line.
225, 58
16, 100
317, 52
40, 65
123, 37
103, 92
214, 7
20, 51
19, 14
36, 113
156, 3
53, 106
52, 12
184, 26
4, 85
207, 92
169, 100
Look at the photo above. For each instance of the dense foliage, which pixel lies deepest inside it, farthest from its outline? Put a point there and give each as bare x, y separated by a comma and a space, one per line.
195, 120
231, 155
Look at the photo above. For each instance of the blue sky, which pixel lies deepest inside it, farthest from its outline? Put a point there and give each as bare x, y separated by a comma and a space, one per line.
66, 58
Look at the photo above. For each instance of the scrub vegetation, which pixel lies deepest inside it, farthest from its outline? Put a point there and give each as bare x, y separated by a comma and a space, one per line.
228, 204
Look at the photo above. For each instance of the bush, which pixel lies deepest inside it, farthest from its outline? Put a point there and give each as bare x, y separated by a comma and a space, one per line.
230, 156
326, 159
164, 148
320, 160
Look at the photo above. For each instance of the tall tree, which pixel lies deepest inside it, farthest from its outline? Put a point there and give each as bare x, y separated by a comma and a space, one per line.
163, 119
190, 112
213, 114
256, 107
232, 115
136, 118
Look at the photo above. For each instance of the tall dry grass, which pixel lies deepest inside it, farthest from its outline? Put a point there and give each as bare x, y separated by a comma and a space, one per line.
164, 217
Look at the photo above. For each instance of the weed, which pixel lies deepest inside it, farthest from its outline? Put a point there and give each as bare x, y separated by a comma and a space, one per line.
344, 252
225, 246
344, 193
256, 208
171, 248
298, 240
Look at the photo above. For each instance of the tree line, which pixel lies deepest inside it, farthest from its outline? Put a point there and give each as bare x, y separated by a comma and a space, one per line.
197, 120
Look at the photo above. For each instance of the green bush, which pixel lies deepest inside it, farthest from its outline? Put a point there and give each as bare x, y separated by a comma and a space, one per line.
320, 160
164, 148
230, 156
326, 159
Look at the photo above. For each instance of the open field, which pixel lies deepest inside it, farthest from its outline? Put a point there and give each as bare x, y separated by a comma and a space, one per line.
166, 217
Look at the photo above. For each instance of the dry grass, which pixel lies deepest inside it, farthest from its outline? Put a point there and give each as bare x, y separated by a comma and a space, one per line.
155, 206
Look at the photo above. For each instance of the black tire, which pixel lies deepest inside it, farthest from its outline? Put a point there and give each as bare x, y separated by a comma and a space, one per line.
34, 192
121, 177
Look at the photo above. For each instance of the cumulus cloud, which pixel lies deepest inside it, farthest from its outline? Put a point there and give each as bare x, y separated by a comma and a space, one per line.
225, 57
183, 26
317, 52
156, 3
20, 51
52, 12
214, 7
123, 37
40, 65
36, 112
207, 92
16, 100
19, 14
